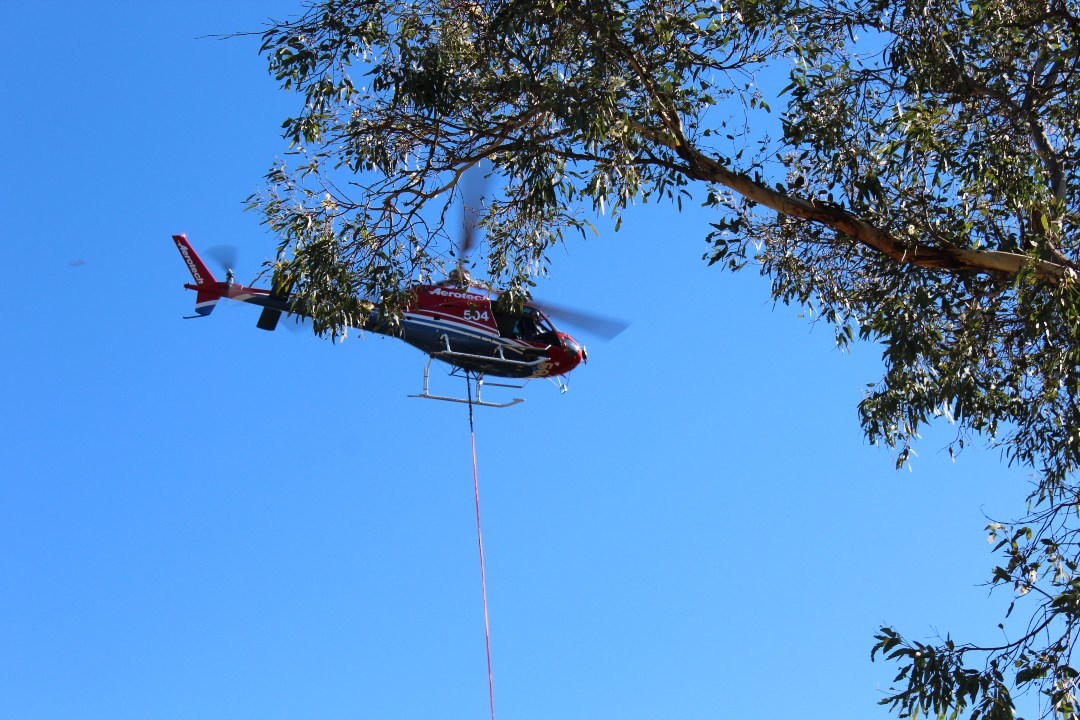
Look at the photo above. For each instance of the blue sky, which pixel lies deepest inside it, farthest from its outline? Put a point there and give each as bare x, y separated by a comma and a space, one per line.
201, 519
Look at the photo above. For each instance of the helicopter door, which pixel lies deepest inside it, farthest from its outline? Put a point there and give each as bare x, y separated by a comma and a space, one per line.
530, 324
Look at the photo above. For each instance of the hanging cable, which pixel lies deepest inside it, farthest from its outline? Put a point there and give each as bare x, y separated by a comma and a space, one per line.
480, 543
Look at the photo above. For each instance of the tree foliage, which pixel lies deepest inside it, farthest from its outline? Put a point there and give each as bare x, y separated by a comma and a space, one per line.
921, 193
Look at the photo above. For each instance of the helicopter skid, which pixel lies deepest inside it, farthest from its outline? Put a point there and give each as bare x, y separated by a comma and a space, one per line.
477, 403
425, 394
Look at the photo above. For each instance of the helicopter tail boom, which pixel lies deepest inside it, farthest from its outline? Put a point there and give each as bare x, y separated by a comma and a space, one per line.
209, 290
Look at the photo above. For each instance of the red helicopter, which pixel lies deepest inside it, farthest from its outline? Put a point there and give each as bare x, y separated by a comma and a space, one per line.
454, 321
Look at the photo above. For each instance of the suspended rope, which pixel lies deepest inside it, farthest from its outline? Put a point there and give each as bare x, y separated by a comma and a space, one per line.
480, 543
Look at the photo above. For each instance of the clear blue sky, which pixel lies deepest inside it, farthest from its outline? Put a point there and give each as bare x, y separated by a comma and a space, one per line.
204, 520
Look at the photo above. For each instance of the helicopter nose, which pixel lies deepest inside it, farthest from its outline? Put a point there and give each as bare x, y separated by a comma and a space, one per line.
574, 349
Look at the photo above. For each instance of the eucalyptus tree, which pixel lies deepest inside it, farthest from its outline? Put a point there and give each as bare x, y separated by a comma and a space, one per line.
920, 192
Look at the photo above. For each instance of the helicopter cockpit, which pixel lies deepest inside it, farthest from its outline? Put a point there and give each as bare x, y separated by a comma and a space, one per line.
529, 324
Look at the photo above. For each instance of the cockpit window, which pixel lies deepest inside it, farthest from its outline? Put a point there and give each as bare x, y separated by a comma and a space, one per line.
529, 324
543, 325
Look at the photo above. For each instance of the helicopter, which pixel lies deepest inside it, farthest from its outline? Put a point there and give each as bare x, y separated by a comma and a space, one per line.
456, 321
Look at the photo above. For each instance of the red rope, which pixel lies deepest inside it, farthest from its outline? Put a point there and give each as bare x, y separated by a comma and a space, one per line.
480, 543
483, 581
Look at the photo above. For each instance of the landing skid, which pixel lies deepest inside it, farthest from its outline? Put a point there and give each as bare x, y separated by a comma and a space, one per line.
473, 399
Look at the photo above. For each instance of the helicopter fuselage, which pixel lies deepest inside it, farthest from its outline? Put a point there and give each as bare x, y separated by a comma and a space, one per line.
461, 326
464, 327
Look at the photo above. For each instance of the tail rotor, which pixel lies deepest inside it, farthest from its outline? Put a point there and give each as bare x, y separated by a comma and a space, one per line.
226, 257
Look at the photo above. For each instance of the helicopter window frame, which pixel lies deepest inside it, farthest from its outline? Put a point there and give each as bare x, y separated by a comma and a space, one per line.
540, 328
543, 324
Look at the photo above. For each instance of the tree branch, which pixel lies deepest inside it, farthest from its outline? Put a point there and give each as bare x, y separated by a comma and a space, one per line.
702, 167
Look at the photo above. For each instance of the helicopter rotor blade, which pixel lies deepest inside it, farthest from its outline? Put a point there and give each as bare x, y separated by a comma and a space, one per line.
468, 233
472, 199
601, 326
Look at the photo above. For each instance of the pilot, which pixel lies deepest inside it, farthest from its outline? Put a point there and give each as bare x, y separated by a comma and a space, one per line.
526, 328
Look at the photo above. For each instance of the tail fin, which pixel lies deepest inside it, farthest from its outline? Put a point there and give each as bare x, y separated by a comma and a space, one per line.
207, 297
198, 268
206, 302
